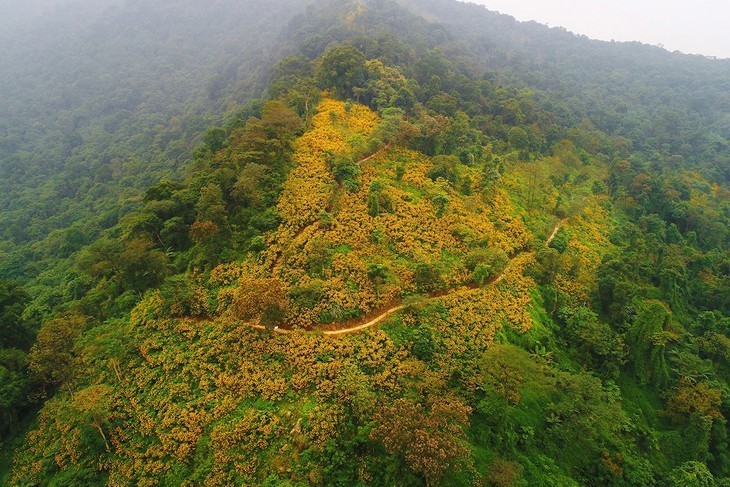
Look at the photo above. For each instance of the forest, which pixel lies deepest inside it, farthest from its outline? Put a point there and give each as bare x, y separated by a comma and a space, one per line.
359, 242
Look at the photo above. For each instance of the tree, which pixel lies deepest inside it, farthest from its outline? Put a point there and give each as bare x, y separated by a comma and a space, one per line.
143, 266
280, 122
135, 265
599, 345
378, 274
286, 72
385, 87
458, 135
211, 206
693, 399
50, 360
441, 201
14, 331
261, 299
378, 199
430, 441
427, 278
92, 406
691, 474
343, 68
648, 338
486, 264
248, 188
346, 172
303, 97
14, 388
267, 140
389, 129
215, 139
445, 167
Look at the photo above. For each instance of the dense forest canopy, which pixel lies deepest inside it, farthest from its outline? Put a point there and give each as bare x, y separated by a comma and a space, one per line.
361, 242
98, 104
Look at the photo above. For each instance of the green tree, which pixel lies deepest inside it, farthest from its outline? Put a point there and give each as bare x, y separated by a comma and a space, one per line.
378, 275
343, 68
599, 346
92, 407
378, 199
15, 332
389, 129
445, 167
51, 357
486, 264
346, 172
214, 139
648, 338
15, 386
427, 277
691, 474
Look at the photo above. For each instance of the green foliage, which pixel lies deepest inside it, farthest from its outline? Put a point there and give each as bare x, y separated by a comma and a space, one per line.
691, 474
15, 331
346, 172
648, 338
561, 241
445, 167
379, 200
309, 295
440, 201
50, 360
342, 68
486, 264
596, 343
15, 386
427, 278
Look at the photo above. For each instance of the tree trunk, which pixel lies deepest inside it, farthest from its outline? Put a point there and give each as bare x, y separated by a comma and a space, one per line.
97, 425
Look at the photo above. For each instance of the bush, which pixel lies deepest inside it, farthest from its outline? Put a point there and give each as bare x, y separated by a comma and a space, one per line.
428, 278
346, 172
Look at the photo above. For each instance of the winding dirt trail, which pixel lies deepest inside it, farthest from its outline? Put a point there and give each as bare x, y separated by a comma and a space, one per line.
373, 155
364, 326
382, 316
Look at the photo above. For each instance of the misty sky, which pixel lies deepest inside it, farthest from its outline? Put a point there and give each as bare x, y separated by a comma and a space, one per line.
694, 27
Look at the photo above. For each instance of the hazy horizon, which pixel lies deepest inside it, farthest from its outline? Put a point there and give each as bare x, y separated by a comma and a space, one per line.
688, 27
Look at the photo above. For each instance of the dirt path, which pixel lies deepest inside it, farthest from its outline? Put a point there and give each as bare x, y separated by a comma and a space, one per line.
555, 231
361, 161
364, 326
391, 311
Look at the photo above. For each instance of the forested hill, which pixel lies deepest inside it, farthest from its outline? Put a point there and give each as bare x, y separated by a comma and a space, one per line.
672, 103
101, 99
357, 242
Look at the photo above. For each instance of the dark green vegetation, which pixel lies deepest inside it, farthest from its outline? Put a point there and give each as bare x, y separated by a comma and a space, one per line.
137, 163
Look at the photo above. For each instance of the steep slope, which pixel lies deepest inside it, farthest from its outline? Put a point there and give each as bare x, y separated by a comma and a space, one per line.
292, 394
100, 101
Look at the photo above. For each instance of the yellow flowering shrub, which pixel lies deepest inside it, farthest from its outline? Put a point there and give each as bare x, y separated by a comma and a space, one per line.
588, 244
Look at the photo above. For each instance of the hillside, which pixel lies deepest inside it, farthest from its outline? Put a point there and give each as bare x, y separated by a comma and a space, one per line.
100, 101
333, 256
412, 243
